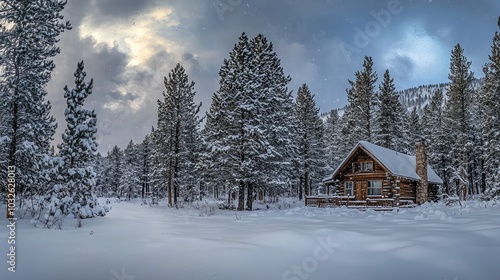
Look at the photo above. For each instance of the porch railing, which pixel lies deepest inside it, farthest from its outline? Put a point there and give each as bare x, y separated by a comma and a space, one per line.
351, 202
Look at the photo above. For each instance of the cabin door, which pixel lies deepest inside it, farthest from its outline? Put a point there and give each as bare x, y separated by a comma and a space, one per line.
361, 190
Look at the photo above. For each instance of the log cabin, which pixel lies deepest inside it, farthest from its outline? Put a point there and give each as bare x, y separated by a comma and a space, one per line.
376, 177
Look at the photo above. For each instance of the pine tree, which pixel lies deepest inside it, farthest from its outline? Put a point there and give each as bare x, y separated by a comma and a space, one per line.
131, 176
238, 139
414, 130
490, 122
311, 149
145, 157
216, 167
100, 163
114, 173
178, 133
358, 123
29, 31
274, 167
247, 126
390, 132
332, 139
437, 138
78, 149
458, 117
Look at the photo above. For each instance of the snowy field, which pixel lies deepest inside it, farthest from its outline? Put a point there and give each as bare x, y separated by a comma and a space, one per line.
138, 242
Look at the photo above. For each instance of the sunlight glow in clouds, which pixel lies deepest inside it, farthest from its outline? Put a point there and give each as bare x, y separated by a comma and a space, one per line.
139, 37
428, 55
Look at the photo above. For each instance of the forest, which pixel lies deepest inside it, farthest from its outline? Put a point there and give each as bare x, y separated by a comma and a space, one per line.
258, 141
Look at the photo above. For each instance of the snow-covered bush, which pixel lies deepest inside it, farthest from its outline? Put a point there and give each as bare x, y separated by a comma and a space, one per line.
206, 208
58, 207
107, 207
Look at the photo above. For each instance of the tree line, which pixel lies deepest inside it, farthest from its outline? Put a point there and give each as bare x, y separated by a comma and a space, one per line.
259, 142
256, 141
48, 185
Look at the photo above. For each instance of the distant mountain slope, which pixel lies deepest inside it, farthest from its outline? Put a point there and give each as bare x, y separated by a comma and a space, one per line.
418, 97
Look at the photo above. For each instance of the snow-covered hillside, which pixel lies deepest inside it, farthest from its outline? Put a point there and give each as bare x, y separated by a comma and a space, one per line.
420, 96
139, 242
417, 97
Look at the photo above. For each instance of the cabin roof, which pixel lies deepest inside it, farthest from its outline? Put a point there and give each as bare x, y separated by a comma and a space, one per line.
399, 164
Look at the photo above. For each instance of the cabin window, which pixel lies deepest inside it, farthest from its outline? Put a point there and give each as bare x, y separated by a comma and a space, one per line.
349, 188
374, 187
367, 166
357, 167
364, 166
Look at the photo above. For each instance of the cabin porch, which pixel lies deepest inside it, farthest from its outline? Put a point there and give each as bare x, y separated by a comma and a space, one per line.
351, 202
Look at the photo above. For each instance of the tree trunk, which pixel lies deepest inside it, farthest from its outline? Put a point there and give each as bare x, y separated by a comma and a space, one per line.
241, 196
249, 196
483, 177
306, 184
300, 188
169, 183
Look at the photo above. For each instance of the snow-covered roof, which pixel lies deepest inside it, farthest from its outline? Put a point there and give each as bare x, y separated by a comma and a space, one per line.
399, 164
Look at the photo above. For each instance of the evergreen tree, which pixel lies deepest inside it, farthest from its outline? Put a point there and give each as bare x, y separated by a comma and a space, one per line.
100, 163
29, 35
332, 139
490, 122
458, 117
358, 123
131, 176
78, 149
275, 167
247, 126
311, 149
145, 158
178, 133
390, 131
216, 167
414, 130
237, 141
437, 138
114, 173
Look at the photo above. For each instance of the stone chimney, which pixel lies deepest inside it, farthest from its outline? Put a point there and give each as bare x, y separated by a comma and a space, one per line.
421, 164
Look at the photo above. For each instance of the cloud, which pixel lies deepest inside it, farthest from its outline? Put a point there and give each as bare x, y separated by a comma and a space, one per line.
120, 8
139, 37
418, 57
130, 45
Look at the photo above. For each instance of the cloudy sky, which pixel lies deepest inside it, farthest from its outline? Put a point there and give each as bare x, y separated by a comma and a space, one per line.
129, 46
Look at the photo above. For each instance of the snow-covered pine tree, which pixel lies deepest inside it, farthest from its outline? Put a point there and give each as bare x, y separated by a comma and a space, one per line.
188, 175
249, 129
114, 173
390, 130
145, 155
100, 170
274, 167
458, 119
78, 149
215, 160
332, 139
29, 35
357, 122
158, 173
414, 129
178, 133
311, 147
237, 140
437, 139
490, 122
131, 168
